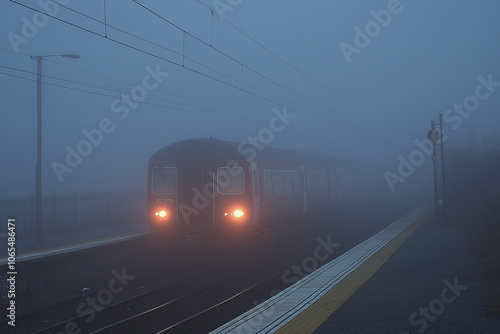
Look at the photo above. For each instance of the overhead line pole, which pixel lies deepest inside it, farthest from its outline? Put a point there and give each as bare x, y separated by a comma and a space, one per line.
38, 168
437, 140
38, 172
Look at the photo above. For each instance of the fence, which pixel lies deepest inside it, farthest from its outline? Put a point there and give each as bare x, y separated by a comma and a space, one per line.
75, 210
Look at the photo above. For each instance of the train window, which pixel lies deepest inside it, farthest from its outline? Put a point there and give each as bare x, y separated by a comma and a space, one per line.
296, 182
322, 181
287, 182
317, 181
278, 183
230, 182
315, 176
268, 183
164, 181
333, 183
303, 183
312, 182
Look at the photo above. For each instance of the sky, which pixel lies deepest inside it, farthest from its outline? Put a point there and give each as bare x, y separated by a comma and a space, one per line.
350, 79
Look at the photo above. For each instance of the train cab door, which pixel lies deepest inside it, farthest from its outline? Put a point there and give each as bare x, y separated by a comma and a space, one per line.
254, 172
196, 210
304, 190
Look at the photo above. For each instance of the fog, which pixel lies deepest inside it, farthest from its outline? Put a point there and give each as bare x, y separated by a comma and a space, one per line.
356, 80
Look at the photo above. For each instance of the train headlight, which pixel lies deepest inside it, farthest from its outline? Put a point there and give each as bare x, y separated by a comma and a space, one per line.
236, 213
161, 213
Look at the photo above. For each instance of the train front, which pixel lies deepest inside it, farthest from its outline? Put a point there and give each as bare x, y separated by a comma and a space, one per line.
162, 201
195, 191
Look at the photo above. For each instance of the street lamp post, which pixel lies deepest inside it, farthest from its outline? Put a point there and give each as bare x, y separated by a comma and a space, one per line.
38, 173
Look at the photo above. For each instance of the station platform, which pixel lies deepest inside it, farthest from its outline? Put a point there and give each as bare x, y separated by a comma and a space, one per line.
413, 277
69, 241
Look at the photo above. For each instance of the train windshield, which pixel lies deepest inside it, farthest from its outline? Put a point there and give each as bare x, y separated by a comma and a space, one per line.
164, 181
230, 181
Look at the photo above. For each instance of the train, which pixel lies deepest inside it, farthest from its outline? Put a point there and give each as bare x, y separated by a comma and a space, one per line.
207, 188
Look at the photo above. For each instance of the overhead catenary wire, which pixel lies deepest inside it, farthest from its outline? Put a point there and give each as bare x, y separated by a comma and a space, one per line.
239, 87
237, 84
116, 28
228, 56
243, 122
291, 106
239, 119
114, 96
170, 61
130, 85
234, 26
244, 33
364, 131
131, 46
184, 32
159, 90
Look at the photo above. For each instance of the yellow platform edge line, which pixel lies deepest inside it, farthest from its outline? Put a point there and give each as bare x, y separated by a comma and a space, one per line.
314, 316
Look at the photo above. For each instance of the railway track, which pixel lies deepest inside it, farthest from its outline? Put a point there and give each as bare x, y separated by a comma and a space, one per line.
211, 280
39, 321
144, 313
197, 304
198, 312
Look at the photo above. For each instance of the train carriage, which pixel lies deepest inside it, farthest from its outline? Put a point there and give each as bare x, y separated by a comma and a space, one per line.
208, 187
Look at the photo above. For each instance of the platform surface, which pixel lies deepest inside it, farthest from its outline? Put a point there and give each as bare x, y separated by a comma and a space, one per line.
431, 284
413, 277
72, 240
